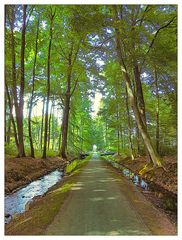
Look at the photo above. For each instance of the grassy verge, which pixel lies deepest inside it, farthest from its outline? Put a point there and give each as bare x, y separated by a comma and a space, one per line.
107, 158
76, 165
43, 210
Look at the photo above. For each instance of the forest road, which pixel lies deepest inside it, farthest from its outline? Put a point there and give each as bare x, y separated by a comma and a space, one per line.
103, 202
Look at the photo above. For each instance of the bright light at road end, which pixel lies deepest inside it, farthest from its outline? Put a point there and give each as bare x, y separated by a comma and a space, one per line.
94, 148
144, 75
96, 104
100, 62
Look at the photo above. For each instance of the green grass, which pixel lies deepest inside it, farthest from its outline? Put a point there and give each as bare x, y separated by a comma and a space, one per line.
76, 164
10, 149
109, 158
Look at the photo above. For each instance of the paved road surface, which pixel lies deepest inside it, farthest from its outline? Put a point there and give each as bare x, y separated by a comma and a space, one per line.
97, 205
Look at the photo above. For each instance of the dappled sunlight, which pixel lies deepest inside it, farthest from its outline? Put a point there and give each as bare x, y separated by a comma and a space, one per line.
112, 198
126, 232
66, 187
113, 233
76, 188
107, 180
93, 171
99, 232
104, 198
78, 184
99, 190
96, 199
118, 232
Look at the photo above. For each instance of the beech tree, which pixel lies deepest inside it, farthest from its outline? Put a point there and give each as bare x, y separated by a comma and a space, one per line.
51, 14
59, 57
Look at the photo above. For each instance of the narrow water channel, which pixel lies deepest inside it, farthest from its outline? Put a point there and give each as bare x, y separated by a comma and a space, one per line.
167, 202
16, 202
130, 175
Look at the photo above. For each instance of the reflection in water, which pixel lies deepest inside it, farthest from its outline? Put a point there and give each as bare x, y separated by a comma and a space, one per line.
129, 174
15, 203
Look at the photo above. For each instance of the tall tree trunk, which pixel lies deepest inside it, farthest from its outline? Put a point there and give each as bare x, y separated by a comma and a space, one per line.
65, 123
22, 86
139, 94
5, 119
142, 128
157, 112
11, 115
81, 133
9, 130
137, 78
137, 140
66, 109
48, 86
59, 142
121, 136
50, 117
118, 132
129, 126
42, 123
71, 60
133, 101
53, 126
11, 17
106, 133
118, 141
140, 100
32, 95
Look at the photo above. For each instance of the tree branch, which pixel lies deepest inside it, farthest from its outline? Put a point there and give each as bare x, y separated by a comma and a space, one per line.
29, 15
155, 36
76, 82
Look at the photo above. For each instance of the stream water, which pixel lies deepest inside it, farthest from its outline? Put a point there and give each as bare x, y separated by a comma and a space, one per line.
166, 201
16, 202
130, 175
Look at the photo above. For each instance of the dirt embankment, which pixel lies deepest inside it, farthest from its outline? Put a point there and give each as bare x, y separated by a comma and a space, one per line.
43, 209
165, 178
21, 171
162, 182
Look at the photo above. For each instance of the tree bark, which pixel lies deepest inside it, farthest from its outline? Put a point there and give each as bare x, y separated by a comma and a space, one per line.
140, 100
42, 123
32, 95
5, 119
118, 131
59, 142
137, 140
129, 126
142, 128
157, 112
121, 136
11, 115
66, 108
11, 17
139, 94
133, 101
22, 86
9, 130
53, 126
137, 78
48, 86
65, 119
50, 117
